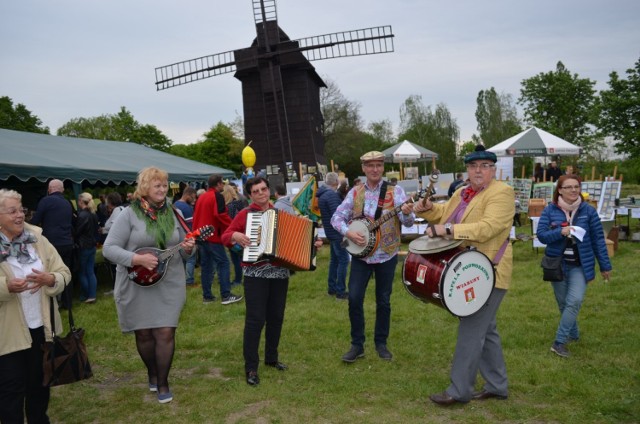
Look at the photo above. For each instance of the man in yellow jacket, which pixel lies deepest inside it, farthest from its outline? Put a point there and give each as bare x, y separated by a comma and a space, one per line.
480, 214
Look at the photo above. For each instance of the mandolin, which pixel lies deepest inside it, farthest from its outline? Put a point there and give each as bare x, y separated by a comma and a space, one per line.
148, 277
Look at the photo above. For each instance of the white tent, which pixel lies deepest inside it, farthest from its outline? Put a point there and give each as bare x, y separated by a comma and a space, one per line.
534, 142
408, 152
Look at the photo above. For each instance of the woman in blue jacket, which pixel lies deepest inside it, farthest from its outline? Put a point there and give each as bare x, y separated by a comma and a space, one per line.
559, 228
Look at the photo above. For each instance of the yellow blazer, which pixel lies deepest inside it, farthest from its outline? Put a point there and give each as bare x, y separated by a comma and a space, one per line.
486, 224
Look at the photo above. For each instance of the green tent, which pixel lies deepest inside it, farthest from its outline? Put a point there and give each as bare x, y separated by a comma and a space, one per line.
26, 155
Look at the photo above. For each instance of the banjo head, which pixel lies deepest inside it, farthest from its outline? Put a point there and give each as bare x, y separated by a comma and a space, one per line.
426, 244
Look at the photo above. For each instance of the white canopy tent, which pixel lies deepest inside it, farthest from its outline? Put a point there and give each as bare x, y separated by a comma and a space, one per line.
534, 142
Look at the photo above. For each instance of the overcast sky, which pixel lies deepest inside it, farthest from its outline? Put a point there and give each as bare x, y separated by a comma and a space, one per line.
66, 59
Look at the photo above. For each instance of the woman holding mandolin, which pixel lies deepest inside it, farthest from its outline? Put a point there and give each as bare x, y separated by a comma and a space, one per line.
150, 308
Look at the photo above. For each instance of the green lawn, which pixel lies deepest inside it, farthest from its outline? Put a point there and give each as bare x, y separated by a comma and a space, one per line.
600, 383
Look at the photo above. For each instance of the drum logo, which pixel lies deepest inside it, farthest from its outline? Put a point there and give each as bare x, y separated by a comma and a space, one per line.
422, 272
469, 295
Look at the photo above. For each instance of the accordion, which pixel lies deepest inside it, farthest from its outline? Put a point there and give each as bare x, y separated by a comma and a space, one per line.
276, 234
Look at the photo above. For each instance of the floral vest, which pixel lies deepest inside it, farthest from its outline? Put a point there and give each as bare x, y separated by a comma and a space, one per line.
389, 231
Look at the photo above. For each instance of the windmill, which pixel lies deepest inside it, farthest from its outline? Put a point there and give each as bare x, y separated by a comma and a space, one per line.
280, 88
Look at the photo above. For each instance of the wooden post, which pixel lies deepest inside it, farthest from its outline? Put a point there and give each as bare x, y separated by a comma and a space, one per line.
615, 171
300, 170
593, 173
433, 163
332, 166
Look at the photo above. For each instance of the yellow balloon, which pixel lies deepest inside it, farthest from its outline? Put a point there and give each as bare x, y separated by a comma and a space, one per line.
248, 157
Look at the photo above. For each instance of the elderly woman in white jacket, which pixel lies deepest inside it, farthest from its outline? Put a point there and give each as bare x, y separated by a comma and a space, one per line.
31, 273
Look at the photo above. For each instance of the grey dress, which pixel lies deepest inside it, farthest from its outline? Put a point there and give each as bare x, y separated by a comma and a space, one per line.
144, 307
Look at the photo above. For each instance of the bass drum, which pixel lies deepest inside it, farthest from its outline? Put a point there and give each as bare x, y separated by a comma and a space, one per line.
459, 280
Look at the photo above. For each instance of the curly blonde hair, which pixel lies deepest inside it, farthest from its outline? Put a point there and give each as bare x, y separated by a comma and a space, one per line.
146, 177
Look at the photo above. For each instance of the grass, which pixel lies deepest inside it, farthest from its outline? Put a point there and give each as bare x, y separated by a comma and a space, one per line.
600, 383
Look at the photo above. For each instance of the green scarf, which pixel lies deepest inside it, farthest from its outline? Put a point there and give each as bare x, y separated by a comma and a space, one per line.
158, 219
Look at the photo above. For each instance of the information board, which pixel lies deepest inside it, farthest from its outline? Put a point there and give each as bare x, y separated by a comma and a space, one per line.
607, 202
594, 188
522, 190
543, 191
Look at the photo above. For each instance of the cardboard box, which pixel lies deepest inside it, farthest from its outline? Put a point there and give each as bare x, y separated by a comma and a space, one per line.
536, 206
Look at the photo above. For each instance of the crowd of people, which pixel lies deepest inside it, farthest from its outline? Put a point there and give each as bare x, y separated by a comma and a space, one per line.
38, 259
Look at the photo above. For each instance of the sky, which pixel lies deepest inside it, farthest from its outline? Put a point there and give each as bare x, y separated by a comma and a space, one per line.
67, 59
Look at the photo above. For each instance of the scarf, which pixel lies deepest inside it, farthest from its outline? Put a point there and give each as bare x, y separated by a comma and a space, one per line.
568, 209
17, 248
158, 219
468, 194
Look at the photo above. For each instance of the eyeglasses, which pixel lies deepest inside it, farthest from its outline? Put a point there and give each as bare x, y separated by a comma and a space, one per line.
483, 166
14, 212
260, 190
570, 188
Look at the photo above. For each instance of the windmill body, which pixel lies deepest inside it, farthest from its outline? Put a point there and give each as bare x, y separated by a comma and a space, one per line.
280, 87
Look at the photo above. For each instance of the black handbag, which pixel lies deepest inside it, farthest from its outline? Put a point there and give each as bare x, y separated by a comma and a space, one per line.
65, 359
552, 268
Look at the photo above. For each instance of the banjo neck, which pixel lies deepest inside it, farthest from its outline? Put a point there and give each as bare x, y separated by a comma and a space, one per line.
384, 218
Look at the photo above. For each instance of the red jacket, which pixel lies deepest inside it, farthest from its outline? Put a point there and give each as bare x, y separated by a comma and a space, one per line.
211, 210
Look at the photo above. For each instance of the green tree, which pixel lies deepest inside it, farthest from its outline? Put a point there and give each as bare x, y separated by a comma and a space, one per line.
119, 127
496, 116
437, 130
620, 111
562, 104
220, 147
19, 118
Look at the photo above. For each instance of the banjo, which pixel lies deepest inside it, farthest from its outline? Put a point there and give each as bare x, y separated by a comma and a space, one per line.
145, 277
370, 228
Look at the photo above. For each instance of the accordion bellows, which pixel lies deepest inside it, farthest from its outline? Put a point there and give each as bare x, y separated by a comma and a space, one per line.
276, 234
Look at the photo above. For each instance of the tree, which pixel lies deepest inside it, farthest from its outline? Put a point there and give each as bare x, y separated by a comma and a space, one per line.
19, 118
437, 131
382, 130
562, 104
620, 111
119, 127
344, 140
220, 147
497, 117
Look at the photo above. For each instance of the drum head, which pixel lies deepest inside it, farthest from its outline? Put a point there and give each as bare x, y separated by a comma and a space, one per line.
426, 244
467, 283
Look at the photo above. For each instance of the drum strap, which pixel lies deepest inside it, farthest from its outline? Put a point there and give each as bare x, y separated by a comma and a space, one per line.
496, 260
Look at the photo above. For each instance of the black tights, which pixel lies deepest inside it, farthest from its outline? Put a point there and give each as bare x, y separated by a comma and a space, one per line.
156, 347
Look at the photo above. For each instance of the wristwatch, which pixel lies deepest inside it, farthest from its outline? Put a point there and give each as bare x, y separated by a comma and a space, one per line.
447, 228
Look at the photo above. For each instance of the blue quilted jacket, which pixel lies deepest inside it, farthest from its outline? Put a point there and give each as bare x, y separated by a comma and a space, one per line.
591, 247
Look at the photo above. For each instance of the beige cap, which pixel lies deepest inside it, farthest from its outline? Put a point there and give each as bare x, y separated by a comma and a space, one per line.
371, 156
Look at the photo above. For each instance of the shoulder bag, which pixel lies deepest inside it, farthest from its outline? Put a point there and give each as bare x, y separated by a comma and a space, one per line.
65, 359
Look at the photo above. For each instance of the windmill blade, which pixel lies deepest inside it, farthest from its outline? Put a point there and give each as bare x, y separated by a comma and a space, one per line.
358, 42
195, 69
264, 10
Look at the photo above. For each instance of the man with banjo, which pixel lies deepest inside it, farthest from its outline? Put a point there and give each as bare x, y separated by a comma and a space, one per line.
481, 215
369, 218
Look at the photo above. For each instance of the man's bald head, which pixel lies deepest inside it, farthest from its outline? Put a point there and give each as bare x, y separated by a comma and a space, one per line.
56, 186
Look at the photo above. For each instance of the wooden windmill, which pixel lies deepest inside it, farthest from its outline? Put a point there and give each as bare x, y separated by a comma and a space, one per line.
280, 88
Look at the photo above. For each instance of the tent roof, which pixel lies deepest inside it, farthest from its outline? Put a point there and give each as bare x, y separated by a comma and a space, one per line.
534, 142
407, 151
41, 156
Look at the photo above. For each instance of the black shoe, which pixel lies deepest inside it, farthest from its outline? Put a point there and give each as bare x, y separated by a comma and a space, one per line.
443, 399
252, 378
277, 365
354, 353
342, 296
383, 352
483, 395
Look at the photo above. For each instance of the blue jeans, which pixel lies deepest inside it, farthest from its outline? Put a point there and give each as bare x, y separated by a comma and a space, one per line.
569, 295
338, 266
190, 269
87, 274
214, 255
236, 257
358, 282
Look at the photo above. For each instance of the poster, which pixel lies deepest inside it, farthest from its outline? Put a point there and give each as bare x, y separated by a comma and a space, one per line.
593, 188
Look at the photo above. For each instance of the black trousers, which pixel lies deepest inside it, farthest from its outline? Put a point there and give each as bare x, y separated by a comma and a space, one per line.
21, 384
265, 300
